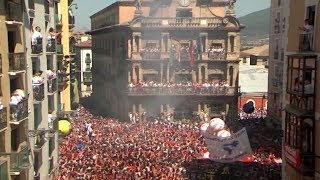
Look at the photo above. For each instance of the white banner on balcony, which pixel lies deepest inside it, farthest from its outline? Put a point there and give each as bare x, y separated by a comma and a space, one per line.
230, 149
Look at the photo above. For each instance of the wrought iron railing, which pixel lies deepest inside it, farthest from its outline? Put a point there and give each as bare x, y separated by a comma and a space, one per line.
52, 85
14, 11
216, 55
37, 47
204, 91
3, 118
51, 46
19, 111
59, 49
71, 20
16, 62
19, 160
38, 91
4, 170
87, 77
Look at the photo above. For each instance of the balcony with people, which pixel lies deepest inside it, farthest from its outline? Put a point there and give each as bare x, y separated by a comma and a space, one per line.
150, 52
182, 22
19, 161
18, 106
36, 41
38, 87
51, 41
216, 52
17, 63
39, 141
14, 11
306, 37
52, 81
301, 82
181, 88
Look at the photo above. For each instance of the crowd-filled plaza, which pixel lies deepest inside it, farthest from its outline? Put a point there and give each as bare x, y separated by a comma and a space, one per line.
105, 148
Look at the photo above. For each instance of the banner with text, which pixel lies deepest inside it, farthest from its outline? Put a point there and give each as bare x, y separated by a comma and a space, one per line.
230, 149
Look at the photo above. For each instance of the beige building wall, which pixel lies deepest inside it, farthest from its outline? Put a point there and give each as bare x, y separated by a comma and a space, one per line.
295, 13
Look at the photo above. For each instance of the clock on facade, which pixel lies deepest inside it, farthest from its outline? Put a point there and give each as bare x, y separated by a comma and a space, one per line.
184, 3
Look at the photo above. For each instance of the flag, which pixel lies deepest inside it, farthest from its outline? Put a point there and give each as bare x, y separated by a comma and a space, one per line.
191, 54
230, 149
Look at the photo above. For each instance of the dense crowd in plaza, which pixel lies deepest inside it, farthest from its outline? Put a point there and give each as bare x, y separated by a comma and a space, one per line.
105, 148
186, 87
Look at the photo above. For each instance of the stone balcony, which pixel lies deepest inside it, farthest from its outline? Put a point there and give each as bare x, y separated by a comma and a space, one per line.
180, 22
19, 161
16, 62
182, 91
19, 112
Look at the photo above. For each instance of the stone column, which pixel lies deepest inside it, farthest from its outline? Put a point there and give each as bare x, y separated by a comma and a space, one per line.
194, 76
161, 72
140, 72
199, 108
204, 46
140, 110
134, 74
134, 110
206, 73
163, 35
129, 48
161, 108
199, 74
134, 43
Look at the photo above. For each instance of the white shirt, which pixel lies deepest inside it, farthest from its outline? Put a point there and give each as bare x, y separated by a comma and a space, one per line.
34, 37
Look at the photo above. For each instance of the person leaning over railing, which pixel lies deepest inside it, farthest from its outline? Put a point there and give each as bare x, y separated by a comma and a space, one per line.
17, 96
36, 40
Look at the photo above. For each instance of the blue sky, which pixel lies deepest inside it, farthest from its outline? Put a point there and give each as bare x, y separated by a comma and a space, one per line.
88, 7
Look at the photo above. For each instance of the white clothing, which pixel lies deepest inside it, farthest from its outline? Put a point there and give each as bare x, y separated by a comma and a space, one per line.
35, 36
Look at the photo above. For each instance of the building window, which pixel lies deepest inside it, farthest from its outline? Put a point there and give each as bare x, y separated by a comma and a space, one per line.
184, 13
279, 2
299, 133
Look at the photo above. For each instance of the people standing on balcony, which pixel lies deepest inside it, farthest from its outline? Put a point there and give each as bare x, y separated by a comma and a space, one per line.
51, 39
36, 40
17, 96
308, 31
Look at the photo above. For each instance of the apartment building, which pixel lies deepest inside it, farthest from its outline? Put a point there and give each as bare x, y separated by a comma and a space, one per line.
170, 58
84, 64
293, 84
28, 144
65, 22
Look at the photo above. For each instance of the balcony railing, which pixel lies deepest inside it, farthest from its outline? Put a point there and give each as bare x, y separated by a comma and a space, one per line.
4, 170
51, 46
71, 21
87, 77
182, 22
53, 125
306, 42
19, 111
216, 54
19, 161
52, 85
14, 11
37, 47
51, 165
38, 92
141, 91
16, 62
3, 118
39, 142
59, 49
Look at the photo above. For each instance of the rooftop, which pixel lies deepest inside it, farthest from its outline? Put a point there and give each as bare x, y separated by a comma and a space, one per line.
84, 44
253, 79
257, 51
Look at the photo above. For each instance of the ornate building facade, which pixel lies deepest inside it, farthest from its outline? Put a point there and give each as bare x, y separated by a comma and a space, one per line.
166, 57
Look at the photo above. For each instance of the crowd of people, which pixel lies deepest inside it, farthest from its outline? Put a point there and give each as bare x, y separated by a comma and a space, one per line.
259, 113
105, 148
188, 87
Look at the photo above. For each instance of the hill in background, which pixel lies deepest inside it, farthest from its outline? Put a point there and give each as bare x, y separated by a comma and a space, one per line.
257, 25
